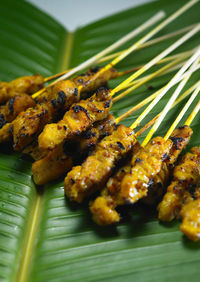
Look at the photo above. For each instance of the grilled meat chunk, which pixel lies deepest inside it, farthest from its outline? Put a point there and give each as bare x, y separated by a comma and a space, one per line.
146, 163
24, 84
190, 216
15, 105
83, 180
52, 103
58, 161
6, 133
185, 176
78, 119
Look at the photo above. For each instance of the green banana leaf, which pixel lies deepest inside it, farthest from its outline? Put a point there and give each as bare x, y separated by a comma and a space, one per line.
44, 237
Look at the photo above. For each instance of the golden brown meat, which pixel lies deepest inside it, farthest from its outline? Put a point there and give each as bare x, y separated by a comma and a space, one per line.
84, 180
52, 103
146, 163
58, 161
78, 119
103, 208
190, 216
15, 105
180, 138
6, 133
185, 175
24, 84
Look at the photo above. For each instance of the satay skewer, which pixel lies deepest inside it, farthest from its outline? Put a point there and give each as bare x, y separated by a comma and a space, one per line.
83, 182
183, 177
131, 181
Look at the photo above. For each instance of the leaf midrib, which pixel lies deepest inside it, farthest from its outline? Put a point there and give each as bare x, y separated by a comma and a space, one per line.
32, 227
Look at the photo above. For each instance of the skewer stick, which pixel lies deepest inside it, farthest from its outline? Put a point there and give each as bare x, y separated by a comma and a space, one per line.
166, 88
92, 60
157, 58
153, 96
167, 59
151, 42
193, 114
173, 98
181, 98
109, 49
138, 83
181, 114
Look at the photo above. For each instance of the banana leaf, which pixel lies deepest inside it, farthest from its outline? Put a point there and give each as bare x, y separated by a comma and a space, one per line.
43, 236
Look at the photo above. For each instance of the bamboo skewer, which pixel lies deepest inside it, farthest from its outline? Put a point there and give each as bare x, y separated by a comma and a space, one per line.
181, 114
173, 97
193, 114
181, 98
157, 58
153, 96
130, 49
148, 43
151, 42
166, 88
109, 49
139, 82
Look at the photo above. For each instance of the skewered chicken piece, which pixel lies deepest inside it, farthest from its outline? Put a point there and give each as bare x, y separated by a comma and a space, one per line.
79, 118
30, 123
185, 175
103, 208
83, 180
60, 160
6, 132
14, 106
190, 216
24, 84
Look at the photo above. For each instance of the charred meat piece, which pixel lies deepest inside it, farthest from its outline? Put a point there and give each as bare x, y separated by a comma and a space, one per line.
6, 133
84, 180
146, 163
103, 207
185, 176
24, 84
54, 102
15, 105
58, 161
190, 216
78, 119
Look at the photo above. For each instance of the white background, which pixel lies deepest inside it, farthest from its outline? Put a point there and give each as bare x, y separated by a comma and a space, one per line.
75, 13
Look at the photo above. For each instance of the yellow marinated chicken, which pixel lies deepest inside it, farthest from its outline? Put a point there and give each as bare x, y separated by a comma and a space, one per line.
185, 175
24, 84
190, 216
14, 106
146, 163
78, 119
53, 103
84, 180
58, 161
6, 133
103, 208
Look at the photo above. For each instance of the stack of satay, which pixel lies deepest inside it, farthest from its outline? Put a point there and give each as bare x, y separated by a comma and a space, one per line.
67, 128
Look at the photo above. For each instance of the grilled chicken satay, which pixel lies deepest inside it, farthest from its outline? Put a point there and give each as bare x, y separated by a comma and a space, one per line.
24, 84
146, 163
103, 208
6, 132
84, 180
78, 119
190, 216
57, 99
14, 106
185, 175
58, 161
